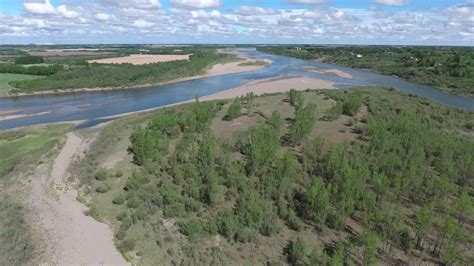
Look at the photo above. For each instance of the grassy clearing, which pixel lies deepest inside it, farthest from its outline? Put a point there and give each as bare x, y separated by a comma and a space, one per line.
6, 78
24, 146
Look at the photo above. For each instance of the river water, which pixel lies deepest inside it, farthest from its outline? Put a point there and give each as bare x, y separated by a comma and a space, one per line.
92, 106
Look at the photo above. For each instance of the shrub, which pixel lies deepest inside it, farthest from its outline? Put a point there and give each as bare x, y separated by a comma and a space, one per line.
133, 202
294, 222
246, 234
352, 104
295, 252
127, 245
295, 97
118, 200
102, 188
234, 111
101, 175
191, 228
304, 121
276, 121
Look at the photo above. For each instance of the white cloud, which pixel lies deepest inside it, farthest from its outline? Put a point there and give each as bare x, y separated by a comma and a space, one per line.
39, 8
392, 2
103, 17
137, 4
142, 24
67, 13
193, 4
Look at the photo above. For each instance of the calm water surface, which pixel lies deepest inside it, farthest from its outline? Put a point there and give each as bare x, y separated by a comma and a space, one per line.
92, 106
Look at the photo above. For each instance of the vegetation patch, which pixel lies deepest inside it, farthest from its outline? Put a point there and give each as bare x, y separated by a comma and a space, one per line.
398, 190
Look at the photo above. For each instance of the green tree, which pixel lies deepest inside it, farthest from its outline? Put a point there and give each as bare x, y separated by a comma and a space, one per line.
319, 196
295, 98
370, 242
296, 253
234, 110
424, 219
304, 121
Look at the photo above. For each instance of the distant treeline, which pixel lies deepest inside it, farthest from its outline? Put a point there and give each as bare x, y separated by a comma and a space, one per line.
31, 70
450, 68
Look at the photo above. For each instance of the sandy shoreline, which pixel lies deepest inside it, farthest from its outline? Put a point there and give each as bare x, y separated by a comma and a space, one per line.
215, 70
258, 87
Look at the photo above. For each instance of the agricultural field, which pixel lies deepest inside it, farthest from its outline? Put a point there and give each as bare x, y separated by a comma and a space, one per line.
448, 68
329, 177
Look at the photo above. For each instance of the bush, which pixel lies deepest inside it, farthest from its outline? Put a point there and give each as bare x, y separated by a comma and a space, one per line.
127, 245
234, 111
102, 188
294, 222
246, 234
101, 175
191, 228
304, 121
352, 104
133, 202
295, 252
295, 97
118, 200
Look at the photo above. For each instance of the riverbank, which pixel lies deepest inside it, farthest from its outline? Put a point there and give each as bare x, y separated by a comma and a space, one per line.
239, 66
258, 87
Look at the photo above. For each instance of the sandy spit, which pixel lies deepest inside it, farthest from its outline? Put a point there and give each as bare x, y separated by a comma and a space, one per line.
69, 236
216, 70
336, 72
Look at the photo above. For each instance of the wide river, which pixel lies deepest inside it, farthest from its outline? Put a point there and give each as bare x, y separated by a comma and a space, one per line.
94, 106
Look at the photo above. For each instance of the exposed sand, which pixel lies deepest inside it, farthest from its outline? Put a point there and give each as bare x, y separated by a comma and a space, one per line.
235, 67
141, 59
336, 72
272, 85
15, 116
70, 237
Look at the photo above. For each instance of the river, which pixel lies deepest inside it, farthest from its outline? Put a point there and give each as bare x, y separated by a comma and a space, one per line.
93, 106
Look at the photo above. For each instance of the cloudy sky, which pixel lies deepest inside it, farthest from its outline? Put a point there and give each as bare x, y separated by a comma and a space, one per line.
425, 22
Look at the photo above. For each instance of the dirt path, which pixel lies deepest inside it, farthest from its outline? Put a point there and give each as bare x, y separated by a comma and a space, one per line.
69, 236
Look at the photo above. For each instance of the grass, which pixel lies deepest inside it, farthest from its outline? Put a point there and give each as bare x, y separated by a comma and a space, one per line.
5, 79
18, 147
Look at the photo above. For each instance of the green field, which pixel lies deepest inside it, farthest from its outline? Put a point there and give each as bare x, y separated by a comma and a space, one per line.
18, 147
5, 78
358, 176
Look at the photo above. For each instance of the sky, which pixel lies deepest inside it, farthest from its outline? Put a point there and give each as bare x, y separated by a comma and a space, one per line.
396, 22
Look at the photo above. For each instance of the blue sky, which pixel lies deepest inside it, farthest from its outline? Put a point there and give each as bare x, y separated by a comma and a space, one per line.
423, 22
